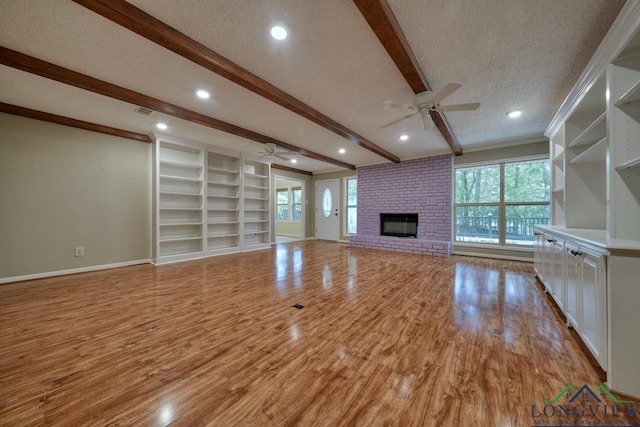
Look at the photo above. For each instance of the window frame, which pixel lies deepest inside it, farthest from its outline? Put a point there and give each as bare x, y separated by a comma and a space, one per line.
288, 204
345, 186
502, 204
293, 204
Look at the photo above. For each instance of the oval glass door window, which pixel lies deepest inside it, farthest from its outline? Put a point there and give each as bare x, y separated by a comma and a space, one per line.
326, 203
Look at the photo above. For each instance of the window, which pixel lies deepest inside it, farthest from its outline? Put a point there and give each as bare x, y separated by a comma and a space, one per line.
289, 204
282, 205
501, 203
296, 204
351, 200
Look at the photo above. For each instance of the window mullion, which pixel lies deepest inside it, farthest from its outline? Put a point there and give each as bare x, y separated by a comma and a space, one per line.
503, 211
291, 204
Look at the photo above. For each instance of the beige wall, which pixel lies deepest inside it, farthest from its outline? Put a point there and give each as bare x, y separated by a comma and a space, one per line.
289, 228
340, 175
62, 187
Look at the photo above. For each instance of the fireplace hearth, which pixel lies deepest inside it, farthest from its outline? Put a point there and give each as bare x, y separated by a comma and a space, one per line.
399, 224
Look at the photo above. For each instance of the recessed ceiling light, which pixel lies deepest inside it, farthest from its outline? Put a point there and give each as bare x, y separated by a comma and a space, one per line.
278, 32
515, 113
342, 151
161, 126
294, 161
203, 94
403, 137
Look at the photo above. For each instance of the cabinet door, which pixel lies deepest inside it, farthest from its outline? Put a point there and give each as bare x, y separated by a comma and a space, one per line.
593, 305
572, 282
557, 279
538, 253
547, 268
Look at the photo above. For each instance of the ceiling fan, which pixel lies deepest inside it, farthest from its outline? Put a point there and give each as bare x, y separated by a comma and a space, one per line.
426, 102
271, 150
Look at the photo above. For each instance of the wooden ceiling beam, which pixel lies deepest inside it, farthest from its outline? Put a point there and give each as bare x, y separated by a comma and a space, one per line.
145, 25
42, 68
384, 24
290, 169
66, 121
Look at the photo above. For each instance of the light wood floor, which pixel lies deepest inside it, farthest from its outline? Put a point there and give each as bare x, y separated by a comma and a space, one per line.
383, 339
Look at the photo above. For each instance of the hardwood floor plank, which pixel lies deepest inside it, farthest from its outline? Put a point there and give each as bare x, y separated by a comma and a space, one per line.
383, 339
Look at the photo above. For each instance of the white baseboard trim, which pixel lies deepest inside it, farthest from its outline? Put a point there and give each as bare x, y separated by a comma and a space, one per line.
339, 241
481, 255
72, 271
189, 257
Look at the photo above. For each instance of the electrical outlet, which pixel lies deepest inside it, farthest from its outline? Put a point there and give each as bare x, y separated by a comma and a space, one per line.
79, 251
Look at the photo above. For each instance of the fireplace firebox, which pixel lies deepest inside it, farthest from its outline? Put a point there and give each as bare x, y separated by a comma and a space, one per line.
399, 224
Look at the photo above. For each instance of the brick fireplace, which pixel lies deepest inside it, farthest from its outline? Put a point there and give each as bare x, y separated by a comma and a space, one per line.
422, 186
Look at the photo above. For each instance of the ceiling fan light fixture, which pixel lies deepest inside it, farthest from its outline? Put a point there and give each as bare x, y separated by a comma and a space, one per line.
427, 123
514, 114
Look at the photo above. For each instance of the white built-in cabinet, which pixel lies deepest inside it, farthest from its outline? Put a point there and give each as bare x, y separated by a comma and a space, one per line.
574, 274
589, 257
207, 202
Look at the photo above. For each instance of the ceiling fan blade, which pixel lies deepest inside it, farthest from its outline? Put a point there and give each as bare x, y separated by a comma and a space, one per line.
282, 157
399, 120
389, 104
459, 107
444, 92
263, 156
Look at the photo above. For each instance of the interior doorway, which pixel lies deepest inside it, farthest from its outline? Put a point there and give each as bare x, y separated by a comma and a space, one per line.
289, 209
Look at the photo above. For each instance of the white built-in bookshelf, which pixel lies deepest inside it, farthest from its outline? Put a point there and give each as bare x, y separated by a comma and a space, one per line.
624, 132
256, 204
223, 202
179, 200
588, 257
207, 202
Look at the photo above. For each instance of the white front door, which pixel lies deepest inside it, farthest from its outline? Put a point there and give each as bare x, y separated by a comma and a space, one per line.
327, 218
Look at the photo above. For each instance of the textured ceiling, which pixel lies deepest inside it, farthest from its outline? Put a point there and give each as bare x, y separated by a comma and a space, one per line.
507, 54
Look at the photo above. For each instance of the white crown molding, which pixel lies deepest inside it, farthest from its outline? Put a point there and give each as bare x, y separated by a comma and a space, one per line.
505, 144
610, 48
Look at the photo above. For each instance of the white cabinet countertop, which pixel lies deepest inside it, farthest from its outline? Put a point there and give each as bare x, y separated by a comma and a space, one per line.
597, 238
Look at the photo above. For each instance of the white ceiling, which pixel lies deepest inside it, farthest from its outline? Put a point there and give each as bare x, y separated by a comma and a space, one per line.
508, 54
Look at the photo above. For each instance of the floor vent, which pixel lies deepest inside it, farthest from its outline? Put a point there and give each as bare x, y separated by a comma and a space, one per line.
298, 306
144, 111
